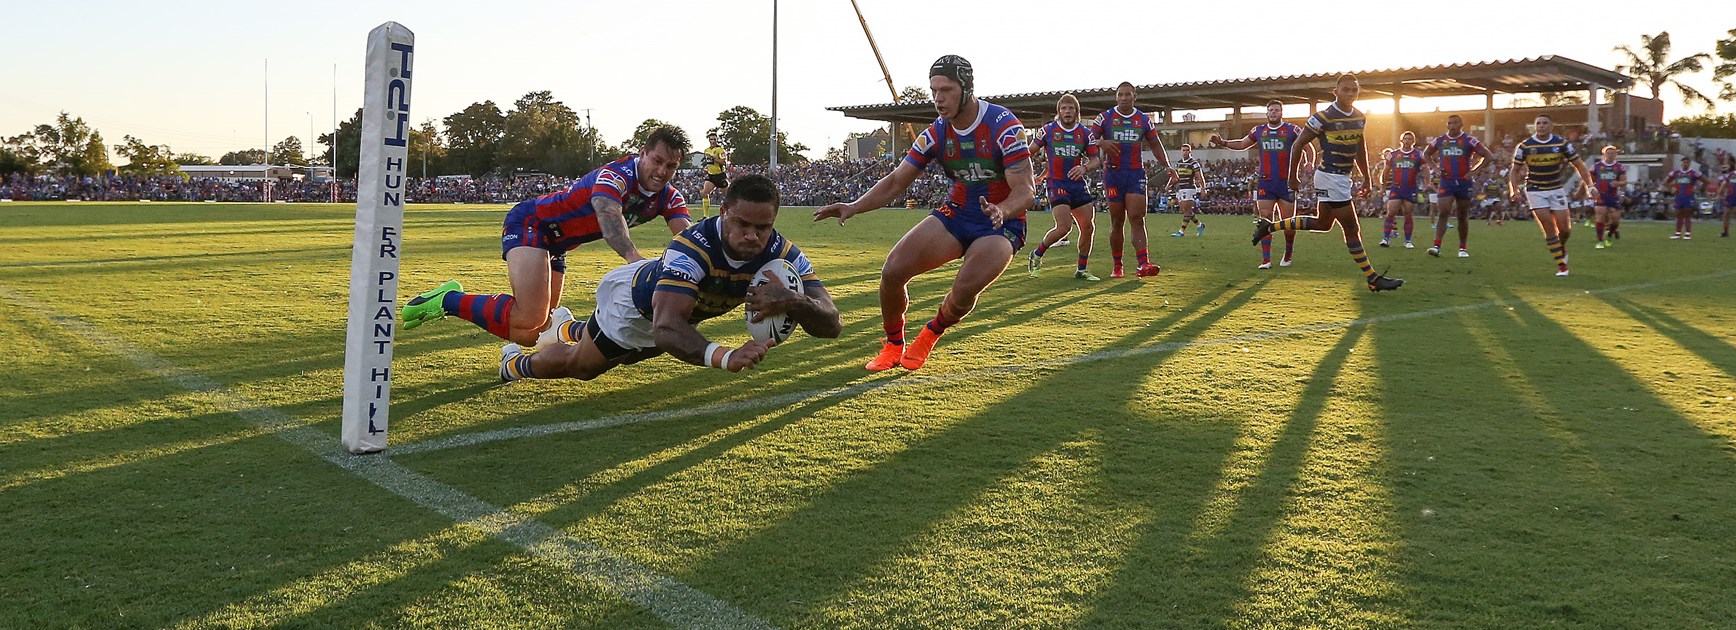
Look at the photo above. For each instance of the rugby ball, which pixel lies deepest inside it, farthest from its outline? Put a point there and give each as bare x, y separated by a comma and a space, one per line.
776, 327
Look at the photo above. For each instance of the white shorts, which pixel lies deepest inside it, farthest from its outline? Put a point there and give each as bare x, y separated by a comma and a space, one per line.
1187, 194
1546, 199
1333, 187
616, 315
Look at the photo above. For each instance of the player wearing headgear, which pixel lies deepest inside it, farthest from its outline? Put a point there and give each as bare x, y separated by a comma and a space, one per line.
1124, 133
1338, 127
1069, 151
1404, 169
1541, 161
981, 147
1273, 198
1684, 182
1607, 178
538, 233
1187, 178
716, 164
1457, 150
650, 307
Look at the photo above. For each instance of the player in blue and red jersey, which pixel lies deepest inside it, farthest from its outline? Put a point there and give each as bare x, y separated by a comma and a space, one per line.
1124, 133
1684, 182
982, 148
652, 306
538, 233
1068, 151
1462, 157
1404, 169
1727, 186
1607, 178
1273, 142
1339, 128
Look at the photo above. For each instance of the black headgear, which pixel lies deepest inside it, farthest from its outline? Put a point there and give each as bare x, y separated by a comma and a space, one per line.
956, 68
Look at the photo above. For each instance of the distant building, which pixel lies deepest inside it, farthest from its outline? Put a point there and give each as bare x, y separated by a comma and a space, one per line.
245, 172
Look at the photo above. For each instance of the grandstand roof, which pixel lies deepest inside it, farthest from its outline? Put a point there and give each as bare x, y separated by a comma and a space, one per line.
1543, 74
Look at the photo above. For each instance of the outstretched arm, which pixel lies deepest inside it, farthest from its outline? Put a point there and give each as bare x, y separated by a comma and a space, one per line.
890, 186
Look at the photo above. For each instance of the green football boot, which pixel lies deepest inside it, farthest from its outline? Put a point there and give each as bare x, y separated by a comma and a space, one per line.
426, 307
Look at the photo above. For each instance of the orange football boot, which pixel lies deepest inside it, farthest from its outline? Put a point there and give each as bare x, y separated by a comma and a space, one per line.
916, 351
891, 354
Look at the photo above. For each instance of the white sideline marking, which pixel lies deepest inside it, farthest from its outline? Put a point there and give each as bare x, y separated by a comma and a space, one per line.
675, 603
473, 439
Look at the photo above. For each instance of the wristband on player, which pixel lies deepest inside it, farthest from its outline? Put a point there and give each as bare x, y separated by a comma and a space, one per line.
717, 356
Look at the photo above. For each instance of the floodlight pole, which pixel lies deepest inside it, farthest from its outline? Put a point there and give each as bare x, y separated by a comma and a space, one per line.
773, 167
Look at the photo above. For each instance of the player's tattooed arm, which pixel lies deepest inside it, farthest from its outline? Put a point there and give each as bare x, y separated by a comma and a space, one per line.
614, 225
674, 333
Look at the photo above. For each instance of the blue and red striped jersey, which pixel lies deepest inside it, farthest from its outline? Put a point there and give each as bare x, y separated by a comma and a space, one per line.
1604, 175
1066, 147
976, 157
1456, 153
1684, 181
1274, 146
1129, 133
1403, 167
571, 217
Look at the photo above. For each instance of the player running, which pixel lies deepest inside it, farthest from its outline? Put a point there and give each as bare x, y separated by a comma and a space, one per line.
650, 307
1462, 156
1541, 161
1338, 127
1124, 133
1187, 178
981, 147
1069, 151
538, 233
1685, 182
1607, 178
1274, 141
1405, 167
716, 164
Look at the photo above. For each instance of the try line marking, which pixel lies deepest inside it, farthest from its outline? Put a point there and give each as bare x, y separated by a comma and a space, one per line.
674, 603
781, 400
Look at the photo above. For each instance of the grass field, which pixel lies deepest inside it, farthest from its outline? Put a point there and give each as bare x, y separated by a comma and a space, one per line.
1490, 446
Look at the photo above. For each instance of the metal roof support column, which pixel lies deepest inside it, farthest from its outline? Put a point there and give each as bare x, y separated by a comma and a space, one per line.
1592, 124
1489, 118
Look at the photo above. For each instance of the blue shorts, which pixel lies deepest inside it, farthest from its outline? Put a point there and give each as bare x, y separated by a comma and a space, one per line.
522, 229
1730, 201
1069, 192
1118, 184
1458, 188
1274, 190
1607, 200
1684, 202
1401, 194
968, 232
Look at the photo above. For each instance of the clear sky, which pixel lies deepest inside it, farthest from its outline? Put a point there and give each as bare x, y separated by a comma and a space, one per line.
190, 74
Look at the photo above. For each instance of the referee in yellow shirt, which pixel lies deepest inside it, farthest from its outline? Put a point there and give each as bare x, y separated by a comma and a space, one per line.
716, 160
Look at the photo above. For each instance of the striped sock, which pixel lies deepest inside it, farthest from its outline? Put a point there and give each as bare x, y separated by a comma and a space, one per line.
1559, 252
1600, 232
1042, 248
1410, 225
517, 368
1296, 223
940, 323
1361, 258
492, 312
1082, 259
1144, 257
1117, 261
894, 331
1266, 248
1289, 243
570, 332
1386, 228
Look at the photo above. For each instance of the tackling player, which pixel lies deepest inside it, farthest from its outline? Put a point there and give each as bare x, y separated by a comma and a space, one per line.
1462, 157
1124, 132
716, 164
538, 233
1607, 177
1338, 127
1187, 178
1069, 151
650, 307
1685, 181
981, 147
1274, 141
1541, 161
1404, 168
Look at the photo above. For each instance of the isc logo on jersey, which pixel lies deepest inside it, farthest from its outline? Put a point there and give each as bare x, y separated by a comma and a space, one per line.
775, 327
